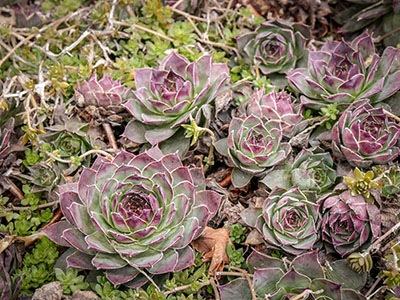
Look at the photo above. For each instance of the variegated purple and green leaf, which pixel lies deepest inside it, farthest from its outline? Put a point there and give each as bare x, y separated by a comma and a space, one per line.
134, 215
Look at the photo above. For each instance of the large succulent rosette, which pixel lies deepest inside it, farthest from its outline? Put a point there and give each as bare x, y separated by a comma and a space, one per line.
342, 73
365, 135
167, 97
349, 223
278, 279
104, 92
289, 220
274, 47
252, 147
278, 106
134, 215
5, 135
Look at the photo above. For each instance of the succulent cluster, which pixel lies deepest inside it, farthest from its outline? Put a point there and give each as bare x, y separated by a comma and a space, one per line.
274, 47
303, 278
167, 97
133, 215
343, 72
365, 135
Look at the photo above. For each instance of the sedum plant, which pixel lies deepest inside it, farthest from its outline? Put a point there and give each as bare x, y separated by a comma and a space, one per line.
288, 220
167, 97
5, 134
252, 147
343, 72
365, 135
302, 278
274, 47
349, 223
311, 170
134, 216
278, 106
71, 281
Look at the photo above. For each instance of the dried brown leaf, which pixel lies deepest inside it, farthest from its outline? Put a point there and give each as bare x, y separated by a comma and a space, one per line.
213, 243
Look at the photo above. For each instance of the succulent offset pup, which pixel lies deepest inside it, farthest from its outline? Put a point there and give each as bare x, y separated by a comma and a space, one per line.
167, 97
342, 73
134, 216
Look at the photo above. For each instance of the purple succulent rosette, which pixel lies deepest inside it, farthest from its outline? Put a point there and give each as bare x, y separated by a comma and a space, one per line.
167, 97
252, 147
365, 135
134, 215
104, 92
342, 73
274, 47
349, 223
5, 135
278, 279
288, 220
278, 106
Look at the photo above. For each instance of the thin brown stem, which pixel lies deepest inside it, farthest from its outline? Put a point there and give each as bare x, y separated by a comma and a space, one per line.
14, 189
374, 285
184, 287
110, 135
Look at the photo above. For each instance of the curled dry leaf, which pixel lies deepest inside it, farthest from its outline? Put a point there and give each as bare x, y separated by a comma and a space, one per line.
213, 243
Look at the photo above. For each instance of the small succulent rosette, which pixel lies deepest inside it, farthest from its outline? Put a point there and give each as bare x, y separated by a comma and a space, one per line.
5, 135
342, 73
70, 140
349, 223
252, 147
278, 106
134, 217
365, 135
167, 97
274, 47
278, 279
289, 220
104, 92
311, 170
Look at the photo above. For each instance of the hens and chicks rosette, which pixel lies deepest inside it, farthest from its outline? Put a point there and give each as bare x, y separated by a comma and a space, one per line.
167, 97
134, 216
